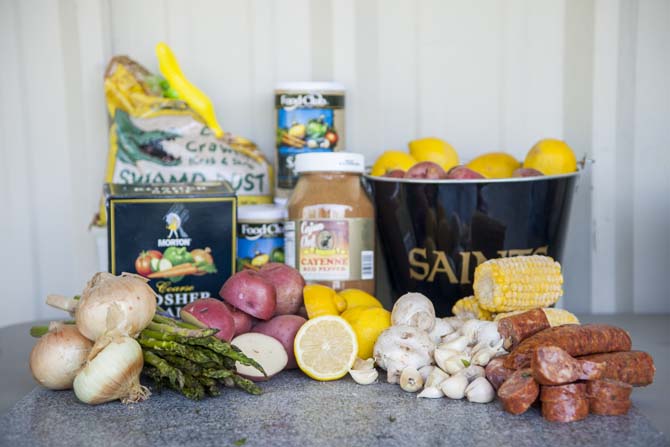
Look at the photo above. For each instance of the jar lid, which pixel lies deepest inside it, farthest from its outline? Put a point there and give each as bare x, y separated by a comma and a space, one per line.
309, 86
329, 162
266, 212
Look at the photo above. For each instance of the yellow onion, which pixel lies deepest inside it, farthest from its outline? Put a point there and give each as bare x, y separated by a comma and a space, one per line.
58, 356
122, 303
114, 373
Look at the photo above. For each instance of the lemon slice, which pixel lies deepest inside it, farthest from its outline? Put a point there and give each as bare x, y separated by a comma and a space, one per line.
325, 348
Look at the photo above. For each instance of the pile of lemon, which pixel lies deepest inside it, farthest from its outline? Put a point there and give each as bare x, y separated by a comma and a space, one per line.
548, 156
341, 327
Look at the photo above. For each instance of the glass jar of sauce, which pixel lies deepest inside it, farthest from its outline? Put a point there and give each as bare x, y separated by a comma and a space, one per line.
330, 232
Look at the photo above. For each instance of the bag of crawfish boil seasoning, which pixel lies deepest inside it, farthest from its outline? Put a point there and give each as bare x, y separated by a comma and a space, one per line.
155, 137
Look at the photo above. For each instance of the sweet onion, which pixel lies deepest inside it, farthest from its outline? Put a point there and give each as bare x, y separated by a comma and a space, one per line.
114, 373
123, 303
58, 356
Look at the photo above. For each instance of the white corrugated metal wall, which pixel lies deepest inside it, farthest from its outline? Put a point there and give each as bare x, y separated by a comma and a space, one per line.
485, 75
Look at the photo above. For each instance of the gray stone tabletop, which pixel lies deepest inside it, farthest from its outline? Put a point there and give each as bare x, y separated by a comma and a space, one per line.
295, 410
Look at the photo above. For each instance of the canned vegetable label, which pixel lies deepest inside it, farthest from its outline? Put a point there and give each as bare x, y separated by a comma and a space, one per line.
306, 122
259, 243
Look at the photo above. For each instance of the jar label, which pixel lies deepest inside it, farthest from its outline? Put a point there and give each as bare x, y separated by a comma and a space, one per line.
331, 249
259, 243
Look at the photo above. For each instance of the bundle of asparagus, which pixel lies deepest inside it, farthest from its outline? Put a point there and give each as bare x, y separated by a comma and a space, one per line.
190, 360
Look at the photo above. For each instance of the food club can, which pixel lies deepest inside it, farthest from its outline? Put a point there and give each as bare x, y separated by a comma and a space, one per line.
260, 230
309, 118
434, 233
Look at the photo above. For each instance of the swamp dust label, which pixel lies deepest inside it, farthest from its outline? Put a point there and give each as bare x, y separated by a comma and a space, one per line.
431, 265
332, 250
182, 242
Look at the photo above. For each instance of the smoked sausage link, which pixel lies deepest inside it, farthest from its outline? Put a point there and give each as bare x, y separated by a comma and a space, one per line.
612, 408
570, 391
519, 392
496, 373
633, 367
516, 328
608, 390
576, 340
568, 410
553, 366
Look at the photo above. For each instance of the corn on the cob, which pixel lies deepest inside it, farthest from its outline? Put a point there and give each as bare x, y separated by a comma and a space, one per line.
556, 317
518, 283
468, 307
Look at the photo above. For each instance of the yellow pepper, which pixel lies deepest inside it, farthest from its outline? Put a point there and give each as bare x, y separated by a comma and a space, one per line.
194, 97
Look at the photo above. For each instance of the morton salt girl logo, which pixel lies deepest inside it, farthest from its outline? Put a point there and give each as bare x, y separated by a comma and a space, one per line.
324, 249
174, 220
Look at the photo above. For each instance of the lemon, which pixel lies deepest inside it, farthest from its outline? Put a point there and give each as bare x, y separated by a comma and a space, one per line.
494, 165
391, 160
357, 297
367, 323
325, 348
551, 157
320, 300
435, 150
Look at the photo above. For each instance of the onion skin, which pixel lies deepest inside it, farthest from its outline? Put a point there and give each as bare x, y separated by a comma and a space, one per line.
114, 373
131, 301
58, 356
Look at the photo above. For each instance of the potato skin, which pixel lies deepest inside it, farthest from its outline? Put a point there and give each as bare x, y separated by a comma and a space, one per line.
288, 283
212, 313
283, 328
251, 293
243, 321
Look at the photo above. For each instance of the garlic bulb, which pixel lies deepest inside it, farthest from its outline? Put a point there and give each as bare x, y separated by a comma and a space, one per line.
114, 373
58, 356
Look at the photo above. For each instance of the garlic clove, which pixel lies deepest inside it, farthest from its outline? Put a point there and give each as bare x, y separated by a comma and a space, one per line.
361, 364
435, 377
458, 344
449, 337
410, 380
425, 371
441, 355
454, 364
431, 393
454, 387
480, 391
364, 376
472, 372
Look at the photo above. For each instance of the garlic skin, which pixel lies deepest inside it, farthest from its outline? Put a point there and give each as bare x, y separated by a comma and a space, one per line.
410, 380
454, 387
431, 393
480, 391
458, 344
483, 352
435, 378
400, 347
455, 322
114, 373
364, 376
58, 356
415, 310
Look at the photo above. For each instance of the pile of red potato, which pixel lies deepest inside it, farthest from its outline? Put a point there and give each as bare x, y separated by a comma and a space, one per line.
258, 314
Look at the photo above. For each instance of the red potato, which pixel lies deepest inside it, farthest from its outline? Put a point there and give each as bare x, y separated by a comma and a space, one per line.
250, 292
395, 173
265, 350
288, 283
526, 172
283, 328
211, 313
426, 170
463, 173
243, 322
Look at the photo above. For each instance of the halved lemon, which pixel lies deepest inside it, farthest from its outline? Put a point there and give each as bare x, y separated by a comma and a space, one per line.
325, 348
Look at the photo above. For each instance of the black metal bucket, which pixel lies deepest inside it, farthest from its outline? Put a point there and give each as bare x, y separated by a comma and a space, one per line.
434, 233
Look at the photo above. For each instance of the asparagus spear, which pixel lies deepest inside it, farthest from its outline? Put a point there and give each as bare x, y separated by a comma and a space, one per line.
164, 369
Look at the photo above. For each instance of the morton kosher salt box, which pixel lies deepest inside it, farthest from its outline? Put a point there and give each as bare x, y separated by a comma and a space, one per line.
181, 237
